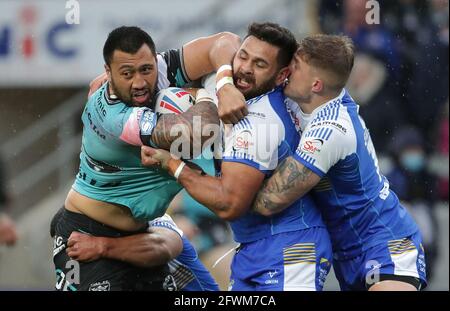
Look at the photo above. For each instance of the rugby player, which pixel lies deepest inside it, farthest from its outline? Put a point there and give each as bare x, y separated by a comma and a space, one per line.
291, 250
376, 243
113, 195
163, 243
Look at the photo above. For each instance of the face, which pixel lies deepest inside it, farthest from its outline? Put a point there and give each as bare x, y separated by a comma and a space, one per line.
133, 76
301, 80
256, 69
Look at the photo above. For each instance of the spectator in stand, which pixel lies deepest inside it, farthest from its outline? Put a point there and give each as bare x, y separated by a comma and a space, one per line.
416, 187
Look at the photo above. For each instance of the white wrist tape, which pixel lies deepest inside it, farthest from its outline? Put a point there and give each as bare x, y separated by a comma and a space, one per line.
224, 68
224, 81
178, 170
203, 95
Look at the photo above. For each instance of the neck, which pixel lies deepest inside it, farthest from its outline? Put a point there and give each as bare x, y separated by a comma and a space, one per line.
317, 101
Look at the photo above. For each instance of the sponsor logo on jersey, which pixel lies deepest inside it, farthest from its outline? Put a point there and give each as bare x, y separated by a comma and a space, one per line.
259, 115
312, 146
330, 123
242, 141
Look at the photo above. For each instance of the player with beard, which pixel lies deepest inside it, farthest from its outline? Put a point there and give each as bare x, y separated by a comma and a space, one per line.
291, 250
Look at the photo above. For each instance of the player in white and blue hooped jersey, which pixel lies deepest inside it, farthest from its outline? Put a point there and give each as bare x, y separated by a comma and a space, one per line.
376, 243
288, 251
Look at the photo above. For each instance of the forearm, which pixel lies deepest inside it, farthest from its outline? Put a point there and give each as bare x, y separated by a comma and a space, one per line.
143, 250
286, 186
208, 191
185, 126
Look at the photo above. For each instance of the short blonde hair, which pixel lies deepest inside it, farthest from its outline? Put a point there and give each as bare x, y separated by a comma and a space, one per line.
330, 53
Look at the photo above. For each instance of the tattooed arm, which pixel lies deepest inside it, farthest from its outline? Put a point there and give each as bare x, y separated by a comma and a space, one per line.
290, 181
170, 127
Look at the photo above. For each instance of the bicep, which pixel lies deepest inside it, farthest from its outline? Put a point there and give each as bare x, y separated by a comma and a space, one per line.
196, 54
290, 181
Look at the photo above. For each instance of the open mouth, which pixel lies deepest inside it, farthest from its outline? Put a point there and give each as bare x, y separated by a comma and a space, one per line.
141, 97
243, 84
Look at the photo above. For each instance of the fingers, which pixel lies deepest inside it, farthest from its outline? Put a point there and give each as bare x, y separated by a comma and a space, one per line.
72, 253
148, 151
147, 156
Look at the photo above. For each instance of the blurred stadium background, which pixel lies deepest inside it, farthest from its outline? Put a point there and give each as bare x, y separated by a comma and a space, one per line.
400, 79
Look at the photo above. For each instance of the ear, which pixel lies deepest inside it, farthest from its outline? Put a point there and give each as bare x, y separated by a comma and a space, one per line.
108, 71
317, 86
282, 75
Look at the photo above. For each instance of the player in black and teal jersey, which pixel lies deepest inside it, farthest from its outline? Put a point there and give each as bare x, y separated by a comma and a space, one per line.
118, 118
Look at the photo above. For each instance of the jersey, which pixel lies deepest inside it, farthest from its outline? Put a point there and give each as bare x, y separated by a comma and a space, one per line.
262, 140
187, 269
110, 162
358, 207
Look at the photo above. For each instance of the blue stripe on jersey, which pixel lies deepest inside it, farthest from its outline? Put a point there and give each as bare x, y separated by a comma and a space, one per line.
357, 213
300, 215
329, 112
302, 158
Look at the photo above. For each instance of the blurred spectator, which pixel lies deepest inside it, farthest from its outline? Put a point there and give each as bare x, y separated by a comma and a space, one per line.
349, 17
438, 163
379, 106
411, 42
416, 187
8, 234
428, 88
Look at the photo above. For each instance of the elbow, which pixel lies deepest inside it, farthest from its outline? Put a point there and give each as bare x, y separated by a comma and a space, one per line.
226, 42
232, 212
232, 38
266, 212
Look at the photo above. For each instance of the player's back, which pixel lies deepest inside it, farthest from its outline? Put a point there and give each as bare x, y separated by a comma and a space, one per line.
357, 205
263, 140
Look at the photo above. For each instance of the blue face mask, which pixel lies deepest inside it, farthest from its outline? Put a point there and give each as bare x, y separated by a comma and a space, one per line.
413, 161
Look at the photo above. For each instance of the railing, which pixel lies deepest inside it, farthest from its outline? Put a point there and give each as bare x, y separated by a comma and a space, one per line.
65, 121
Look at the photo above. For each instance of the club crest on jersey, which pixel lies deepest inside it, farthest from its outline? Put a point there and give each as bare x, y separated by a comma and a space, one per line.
104, 286
147, 123
312, 146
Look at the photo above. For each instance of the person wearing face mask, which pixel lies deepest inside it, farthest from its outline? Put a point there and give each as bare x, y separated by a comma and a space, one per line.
415, 186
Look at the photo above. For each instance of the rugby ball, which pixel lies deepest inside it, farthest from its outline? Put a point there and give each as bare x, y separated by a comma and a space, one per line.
173, 100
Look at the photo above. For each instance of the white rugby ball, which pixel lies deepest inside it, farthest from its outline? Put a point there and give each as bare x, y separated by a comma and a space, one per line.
173, 100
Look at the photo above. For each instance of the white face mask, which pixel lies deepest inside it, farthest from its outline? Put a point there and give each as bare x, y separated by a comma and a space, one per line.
413, 161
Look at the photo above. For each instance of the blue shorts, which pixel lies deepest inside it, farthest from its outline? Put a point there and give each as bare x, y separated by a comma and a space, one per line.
290, 261
399, 260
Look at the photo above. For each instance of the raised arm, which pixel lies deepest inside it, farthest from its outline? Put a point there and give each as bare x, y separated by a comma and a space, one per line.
290, 181
208, 54
156, 247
